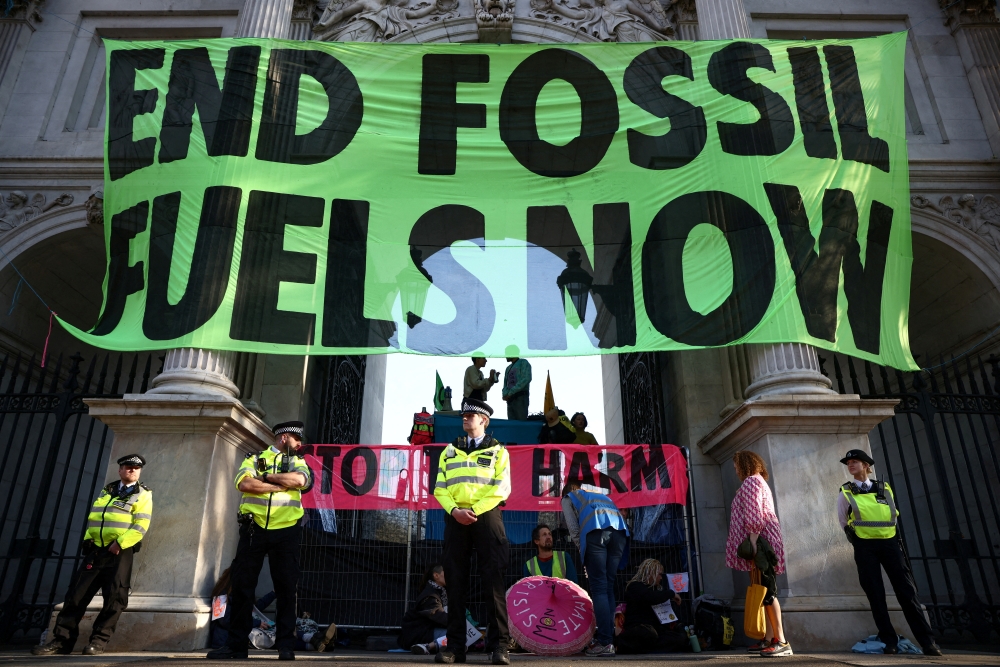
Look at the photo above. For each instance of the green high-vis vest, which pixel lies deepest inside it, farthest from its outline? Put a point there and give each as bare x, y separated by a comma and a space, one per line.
872, 515
558, 565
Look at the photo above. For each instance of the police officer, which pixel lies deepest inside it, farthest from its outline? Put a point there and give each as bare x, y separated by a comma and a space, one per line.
473, 481
272, 483
118, 520
867, 512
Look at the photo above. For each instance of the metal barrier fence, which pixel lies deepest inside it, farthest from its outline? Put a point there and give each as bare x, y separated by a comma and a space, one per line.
364, 568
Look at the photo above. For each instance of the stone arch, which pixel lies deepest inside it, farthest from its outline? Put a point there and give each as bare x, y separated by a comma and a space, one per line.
954, 298
973, 247
41, 228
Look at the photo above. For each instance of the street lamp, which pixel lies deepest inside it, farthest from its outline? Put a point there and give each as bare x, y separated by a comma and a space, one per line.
575, 280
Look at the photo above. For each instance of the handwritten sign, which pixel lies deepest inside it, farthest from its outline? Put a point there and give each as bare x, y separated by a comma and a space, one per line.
665, 612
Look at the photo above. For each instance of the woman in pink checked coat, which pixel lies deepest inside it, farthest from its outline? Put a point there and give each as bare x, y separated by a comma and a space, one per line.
753, 516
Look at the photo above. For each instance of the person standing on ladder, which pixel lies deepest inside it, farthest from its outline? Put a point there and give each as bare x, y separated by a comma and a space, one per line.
473, 482
272, 483
867, 512
548, 563
118, 521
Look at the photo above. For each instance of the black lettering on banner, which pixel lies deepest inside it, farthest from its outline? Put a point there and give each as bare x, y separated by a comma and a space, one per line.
327, 455
226, 114
615, 465
210, 263
598, 114
264, 265
849, 104
817, 276
124, 104
688, 132
727, 72
347, 471
539, 470
752, 249
649, 470
433, 454
551, 229
276, 140
435, 231
810, 100
122, 278
344, 321
580, 470
440, 113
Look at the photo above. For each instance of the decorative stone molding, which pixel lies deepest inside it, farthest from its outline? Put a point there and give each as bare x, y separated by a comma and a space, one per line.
979, 216
95, 208
191, 370
16, 209
379, 20
24, 10
970, 11
785, 368
494, 18
608, 20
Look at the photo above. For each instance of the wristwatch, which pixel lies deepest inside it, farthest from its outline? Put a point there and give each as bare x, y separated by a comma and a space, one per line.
264, 478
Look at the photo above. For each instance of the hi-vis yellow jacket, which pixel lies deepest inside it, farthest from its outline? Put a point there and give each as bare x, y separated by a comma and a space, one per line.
478, 480
873, 515
279, 509
125, 519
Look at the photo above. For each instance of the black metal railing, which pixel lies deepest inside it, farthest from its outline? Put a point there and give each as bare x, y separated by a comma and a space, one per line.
939, 453
53, 458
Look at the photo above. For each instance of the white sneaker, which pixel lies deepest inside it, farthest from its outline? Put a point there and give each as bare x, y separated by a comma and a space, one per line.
597, 651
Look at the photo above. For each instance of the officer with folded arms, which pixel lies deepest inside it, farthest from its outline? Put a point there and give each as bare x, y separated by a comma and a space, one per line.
272, 483
473, 481
867, 512
118, 521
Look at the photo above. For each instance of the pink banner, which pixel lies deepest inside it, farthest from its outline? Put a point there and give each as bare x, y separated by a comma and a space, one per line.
370, 477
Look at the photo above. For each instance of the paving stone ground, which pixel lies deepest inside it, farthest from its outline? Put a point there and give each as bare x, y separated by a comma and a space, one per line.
359, 658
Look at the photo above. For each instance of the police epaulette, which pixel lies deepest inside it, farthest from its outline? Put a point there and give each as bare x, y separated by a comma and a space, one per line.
143, 486
846, 486
111, 486
249, 455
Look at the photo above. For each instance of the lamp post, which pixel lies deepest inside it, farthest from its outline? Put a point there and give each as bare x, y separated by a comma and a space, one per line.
575, 280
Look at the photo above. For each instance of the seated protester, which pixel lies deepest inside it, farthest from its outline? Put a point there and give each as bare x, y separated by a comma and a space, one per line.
219, 627
579, 422
547, 562
643, 632
557, 429
428, 620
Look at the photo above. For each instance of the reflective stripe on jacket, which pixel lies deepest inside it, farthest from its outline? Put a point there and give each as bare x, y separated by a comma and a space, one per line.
558, 565
125, 520
278, 509
478, 480
870, 518
595, 511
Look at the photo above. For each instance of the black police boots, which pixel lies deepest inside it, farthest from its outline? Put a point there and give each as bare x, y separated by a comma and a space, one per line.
93, 649
286, 654
226, 653
500, 656
55, 647
448, 657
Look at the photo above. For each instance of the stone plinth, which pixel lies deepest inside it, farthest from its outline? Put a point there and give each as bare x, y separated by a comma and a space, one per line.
193, 445
802, 439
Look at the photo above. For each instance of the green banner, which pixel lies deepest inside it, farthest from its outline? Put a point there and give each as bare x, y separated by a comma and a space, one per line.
513, 200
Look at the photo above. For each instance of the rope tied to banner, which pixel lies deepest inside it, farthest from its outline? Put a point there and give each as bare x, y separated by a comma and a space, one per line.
17, 292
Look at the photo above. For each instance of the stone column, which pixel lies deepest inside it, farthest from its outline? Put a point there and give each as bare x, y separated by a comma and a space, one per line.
194, 432
976, 27
801, 428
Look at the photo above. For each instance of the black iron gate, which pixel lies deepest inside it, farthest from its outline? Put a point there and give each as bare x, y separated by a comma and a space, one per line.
940, 455
53, 458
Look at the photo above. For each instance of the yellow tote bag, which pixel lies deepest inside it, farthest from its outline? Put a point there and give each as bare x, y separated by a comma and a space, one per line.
753, 613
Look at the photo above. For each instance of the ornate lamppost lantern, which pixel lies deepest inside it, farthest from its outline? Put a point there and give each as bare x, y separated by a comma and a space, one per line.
575, 280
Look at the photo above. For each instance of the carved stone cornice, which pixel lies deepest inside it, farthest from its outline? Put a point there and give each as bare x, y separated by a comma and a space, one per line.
977, 215
22, 11
18, 208
970, 12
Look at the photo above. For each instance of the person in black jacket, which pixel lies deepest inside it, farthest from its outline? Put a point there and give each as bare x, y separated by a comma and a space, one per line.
557, 430
428, 620
643, 632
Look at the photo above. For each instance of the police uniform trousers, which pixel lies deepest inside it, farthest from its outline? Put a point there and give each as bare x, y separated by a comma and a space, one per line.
489, 538
871, 555
281, 547
101, 571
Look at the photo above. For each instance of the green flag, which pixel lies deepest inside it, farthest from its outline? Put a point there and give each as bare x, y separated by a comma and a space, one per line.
440, 400
292, 197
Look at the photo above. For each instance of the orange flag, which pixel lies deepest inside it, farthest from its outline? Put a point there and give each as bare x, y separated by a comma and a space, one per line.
549, 401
